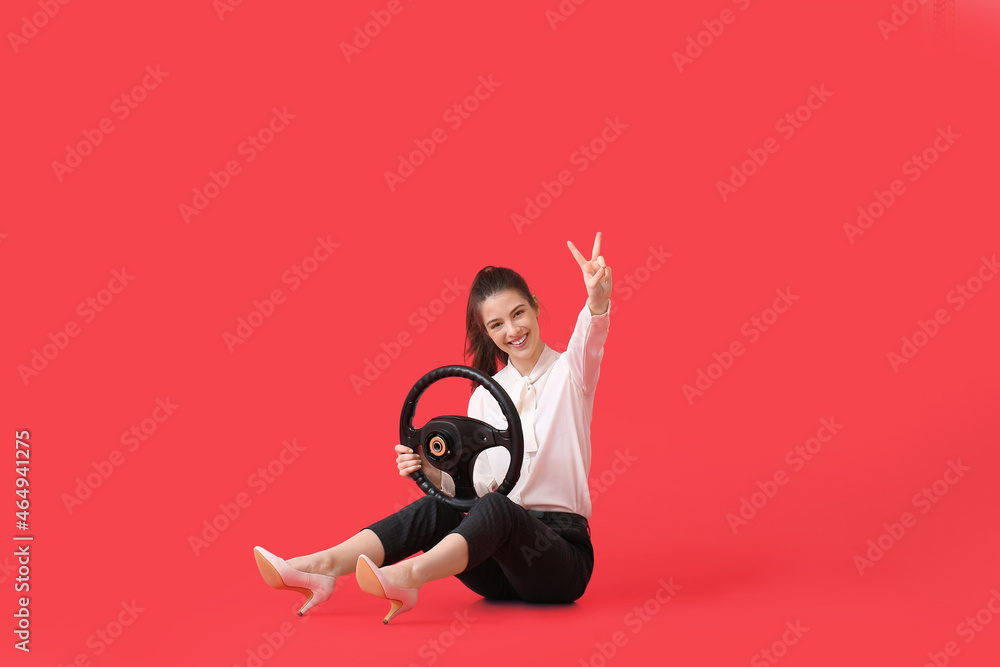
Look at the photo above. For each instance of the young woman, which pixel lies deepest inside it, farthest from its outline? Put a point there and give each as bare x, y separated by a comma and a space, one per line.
532, 545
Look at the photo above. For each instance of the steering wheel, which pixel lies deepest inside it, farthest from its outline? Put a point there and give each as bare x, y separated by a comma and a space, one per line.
451, 443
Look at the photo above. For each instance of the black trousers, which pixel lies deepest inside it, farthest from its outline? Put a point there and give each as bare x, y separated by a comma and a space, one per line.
514, 553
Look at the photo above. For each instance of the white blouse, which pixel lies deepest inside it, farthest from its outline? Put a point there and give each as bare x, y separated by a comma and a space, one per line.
556, 404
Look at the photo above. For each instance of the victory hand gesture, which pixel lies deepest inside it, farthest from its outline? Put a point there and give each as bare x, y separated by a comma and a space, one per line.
596, 275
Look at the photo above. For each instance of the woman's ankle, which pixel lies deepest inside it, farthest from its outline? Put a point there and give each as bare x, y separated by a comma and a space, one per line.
404, 574
317, 563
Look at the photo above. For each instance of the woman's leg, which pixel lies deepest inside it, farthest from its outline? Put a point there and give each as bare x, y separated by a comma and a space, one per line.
448, 557
451, 557
341, 559
542, 563
501, 551
417, 527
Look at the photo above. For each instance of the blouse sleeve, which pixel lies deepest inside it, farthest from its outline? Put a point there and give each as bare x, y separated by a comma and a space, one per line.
482, 474
586, 348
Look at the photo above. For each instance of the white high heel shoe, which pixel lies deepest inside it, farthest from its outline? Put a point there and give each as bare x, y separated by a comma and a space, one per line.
278, 574
372, 581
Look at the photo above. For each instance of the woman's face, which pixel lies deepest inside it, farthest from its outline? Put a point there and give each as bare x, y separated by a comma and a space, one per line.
512, 323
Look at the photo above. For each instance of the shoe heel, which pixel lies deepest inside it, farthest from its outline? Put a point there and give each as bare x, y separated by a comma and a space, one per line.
311, 600
316, 588
371, 581
396, 605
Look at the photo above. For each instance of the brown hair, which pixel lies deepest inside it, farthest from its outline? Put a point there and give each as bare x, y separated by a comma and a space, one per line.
489, 282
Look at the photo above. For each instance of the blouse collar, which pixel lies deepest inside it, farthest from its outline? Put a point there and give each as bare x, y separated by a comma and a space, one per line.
542, 365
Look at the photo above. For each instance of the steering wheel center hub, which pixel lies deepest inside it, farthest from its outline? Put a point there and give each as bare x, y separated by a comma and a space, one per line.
452, 443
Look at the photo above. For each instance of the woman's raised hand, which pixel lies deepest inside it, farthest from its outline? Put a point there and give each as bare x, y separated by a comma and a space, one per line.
596, 275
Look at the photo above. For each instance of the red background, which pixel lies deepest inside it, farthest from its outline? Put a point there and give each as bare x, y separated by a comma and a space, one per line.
662, 519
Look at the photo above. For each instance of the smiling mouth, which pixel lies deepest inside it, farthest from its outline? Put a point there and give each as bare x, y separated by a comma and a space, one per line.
519, 343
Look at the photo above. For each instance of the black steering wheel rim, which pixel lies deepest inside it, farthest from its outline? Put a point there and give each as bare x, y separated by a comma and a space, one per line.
465, 438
